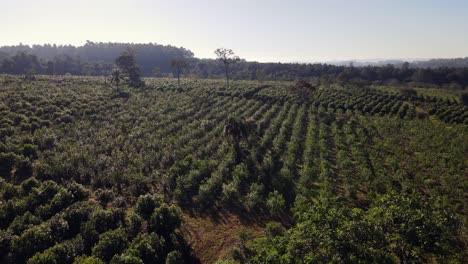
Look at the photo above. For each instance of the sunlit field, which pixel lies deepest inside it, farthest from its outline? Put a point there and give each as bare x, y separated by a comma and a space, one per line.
87, 170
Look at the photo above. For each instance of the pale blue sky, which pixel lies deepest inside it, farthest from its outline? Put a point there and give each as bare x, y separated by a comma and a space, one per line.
294, 30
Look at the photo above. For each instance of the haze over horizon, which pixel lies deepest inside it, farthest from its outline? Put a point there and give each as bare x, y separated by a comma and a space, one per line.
266, 31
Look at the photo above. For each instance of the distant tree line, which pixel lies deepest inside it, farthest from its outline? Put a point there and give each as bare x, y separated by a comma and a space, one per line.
155, 60
93, 59
437, 63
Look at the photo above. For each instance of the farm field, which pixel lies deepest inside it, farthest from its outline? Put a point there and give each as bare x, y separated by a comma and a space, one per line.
451, 95
146, 174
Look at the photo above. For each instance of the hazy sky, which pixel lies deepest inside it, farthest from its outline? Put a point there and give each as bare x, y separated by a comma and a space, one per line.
286, 30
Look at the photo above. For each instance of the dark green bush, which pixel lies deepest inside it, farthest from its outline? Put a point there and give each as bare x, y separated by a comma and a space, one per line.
150, 248
146, 204
165, 220
29, 184
7, 161
110, 244
174, 257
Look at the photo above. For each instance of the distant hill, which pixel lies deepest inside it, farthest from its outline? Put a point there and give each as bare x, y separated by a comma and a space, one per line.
149, 56
438, 63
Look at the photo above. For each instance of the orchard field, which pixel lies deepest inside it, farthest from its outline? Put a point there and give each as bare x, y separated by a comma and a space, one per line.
341, 174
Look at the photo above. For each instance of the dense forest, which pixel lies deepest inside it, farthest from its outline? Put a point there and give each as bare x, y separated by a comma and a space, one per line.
97, 170
96, 59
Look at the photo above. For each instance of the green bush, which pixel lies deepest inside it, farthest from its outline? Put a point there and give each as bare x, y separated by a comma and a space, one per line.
104, 220
110, 244
23, 222
29, 184
150, 248
88, 260
105, 196
64, 252
274, 229
174, 257
145, 205
165, 220
126, 259
134, 224
402, 227
30, 242
276, 203
10, 191
29, 150
78, 191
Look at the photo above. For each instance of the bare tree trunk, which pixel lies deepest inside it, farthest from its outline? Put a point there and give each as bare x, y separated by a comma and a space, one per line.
227, 74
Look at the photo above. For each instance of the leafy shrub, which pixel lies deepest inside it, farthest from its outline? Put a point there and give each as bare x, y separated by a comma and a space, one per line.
23, 222
64, 252
119, 202
46, 257
150, 248
29, 184
30, 242
140, 185
275, 203
88, 260
254, 199
134, 224
174, 257
110, 244
29, 150
209, 190
165, 220
103, 220
274, 229
145, 205
76, 215
78, 191
105, 196
9, 191
61, 200
405, 226
126, 259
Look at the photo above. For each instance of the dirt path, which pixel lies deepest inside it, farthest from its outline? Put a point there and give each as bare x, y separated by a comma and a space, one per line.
213, 240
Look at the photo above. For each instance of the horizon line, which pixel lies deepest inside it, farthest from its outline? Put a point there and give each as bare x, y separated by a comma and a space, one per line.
291, 61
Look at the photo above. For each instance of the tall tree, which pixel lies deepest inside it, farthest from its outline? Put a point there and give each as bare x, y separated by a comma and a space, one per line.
179, 64
127, 64
227, 57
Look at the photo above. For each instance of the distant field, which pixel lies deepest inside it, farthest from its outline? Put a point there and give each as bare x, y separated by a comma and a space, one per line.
433, 92
76, 158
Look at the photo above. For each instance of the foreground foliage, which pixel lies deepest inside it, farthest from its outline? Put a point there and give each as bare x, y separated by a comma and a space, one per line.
404, 228
350, 174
